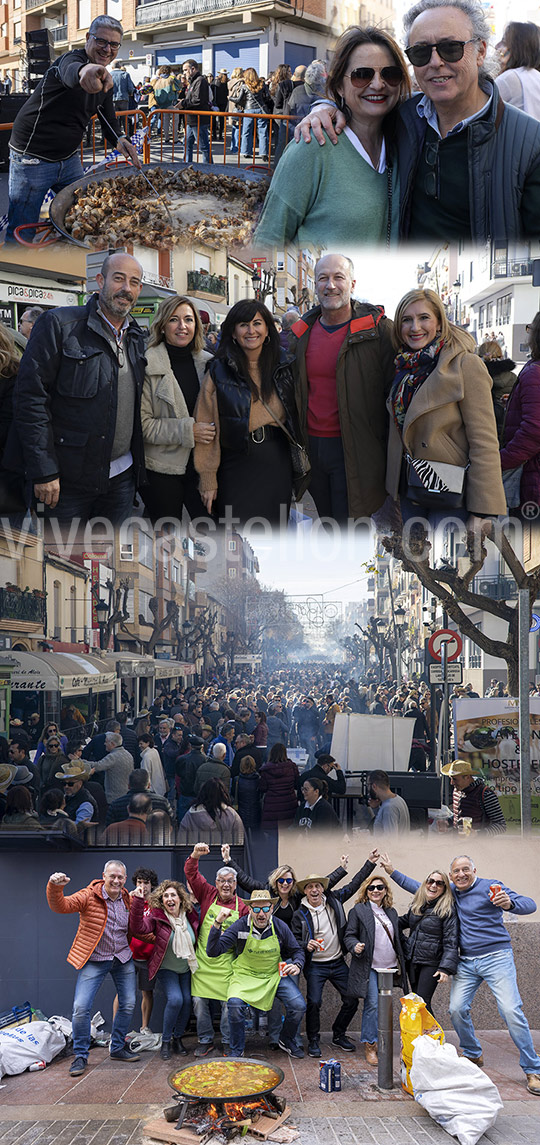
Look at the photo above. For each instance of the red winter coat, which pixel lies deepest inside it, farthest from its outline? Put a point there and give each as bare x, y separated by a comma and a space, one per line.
156, 922
522, 431
279, 784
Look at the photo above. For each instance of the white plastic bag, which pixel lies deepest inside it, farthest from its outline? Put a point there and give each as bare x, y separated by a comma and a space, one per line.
20, 1046
455, 1093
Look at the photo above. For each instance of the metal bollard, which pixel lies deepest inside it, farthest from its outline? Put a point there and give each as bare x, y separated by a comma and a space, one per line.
385, 1074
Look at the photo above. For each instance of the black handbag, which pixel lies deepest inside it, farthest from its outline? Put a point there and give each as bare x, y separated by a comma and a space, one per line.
435, 484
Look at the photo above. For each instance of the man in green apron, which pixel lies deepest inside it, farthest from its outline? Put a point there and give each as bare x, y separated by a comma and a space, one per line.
268, 957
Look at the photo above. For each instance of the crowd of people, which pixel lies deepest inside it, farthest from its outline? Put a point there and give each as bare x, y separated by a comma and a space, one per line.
225, 764
376, 419
231, 958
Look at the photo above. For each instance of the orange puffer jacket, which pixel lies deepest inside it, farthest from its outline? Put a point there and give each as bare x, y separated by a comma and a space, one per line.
91, 906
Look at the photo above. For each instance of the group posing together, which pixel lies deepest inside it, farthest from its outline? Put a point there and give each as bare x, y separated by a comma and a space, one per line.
203, 943
378, 419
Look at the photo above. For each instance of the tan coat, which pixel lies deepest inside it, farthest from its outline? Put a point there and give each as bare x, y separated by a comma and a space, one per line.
92, 908
451, 419
166, 425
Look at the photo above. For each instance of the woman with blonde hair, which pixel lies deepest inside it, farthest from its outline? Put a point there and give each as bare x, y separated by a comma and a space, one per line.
443, 450
254, 97
234, 87
372, 937
176, 364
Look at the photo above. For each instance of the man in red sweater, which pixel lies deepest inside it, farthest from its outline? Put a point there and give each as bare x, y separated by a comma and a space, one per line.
345, 366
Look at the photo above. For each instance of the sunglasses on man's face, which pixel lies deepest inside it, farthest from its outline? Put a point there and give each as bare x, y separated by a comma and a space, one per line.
448, 50
261, 909
361, 77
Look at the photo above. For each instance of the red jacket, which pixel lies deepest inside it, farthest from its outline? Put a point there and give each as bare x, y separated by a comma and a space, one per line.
155, 922
204, 892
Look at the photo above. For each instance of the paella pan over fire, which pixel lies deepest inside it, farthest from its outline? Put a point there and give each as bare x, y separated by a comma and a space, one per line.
193, 206
226, 1080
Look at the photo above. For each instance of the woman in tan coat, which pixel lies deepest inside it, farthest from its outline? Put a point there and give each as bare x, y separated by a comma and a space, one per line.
176, 363
441, 418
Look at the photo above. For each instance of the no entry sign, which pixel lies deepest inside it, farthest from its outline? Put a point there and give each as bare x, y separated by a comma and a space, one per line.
453, 641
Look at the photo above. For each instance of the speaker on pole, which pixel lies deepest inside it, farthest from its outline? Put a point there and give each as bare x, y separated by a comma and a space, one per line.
39, 55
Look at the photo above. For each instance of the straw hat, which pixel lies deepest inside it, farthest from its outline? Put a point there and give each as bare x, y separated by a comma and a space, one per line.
322, 879
258, 897
459, 767
8, 772
76, 769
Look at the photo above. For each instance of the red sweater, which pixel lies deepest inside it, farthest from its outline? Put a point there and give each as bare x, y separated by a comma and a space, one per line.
321, 366
204, 892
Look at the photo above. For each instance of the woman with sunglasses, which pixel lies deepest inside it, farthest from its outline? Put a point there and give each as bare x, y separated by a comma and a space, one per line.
431, 945
373, 939
48, 730
349, 191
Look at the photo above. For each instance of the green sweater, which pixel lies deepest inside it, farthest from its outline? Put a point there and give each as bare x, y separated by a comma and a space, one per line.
326, 191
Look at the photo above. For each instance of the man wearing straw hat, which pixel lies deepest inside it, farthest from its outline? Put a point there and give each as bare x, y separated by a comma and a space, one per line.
473, 799
267, 957
8, 772
80, 804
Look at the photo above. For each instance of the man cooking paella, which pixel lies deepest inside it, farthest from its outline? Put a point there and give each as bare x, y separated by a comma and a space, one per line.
48, 130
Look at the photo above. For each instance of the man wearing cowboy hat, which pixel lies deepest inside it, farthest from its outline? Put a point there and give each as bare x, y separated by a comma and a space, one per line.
319, 927
472, 798
262, 944
80, 804
8, 772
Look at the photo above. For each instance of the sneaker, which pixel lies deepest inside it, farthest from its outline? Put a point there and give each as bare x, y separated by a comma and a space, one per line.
77, 1067
125, 1055
314, 1050
291, 1048
344, 1043
204, 1049
533, 1083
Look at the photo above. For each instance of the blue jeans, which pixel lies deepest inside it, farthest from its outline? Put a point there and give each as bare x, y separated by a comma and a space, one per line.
177, 990
336, 972
89, 980
234, 137
29, 183
499, 972
246, 143
205, 1028
370, 1015
191, 142
288, 993
115, 505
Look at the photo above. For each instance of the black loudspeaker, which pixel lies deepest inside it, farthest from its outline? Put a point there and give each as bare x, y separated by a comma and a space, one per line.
39, 55
10, 105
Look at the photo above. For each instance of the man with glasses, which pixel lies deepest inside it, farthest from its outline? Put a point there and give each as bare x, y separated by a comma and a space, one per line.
76, 426
210, 982
48, 131
197, 98
469, 164
267, 958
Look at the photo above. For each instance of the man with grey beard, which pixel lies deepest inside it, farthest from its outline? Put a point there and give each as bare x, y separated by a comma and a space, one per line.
77, 425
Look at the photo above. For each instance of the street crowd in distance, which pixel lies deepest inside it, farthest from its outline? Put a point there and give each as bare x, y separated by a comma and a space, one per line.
237, 960
211, 764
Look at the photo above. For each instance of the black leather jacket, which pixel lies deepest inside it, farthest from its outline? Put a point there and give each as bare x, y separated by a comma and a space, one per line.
431, 939
234, 400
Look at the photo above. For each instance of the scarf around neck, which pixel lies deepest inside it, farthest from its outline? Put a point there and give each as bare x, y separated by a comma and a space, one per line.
412, 369
181, 945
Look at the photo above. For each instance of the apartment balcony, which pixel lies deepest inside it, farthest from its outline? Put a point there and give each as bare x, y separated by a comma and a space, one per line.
17, 605
49, 5
167, 10
199, 282
495, 587
60, 34
512, 268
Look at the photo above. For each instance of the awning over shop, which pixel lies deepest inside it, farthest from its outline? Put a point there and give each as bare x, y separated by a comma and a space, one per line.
61, 672
128, 666
172, 669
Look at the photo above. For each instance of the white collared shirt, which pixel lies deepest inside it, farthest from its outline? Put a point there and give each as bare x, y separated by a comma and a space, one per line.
426, 110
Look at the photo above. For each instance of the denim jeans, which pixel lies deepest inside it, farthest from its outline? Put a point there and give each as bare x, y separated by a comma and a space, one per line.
177, 990
498, 971
370, 1015
288, 993
89, 980
205, 1029
191, 142
115, 505
246, 143
336, 972
234, 137
29, 183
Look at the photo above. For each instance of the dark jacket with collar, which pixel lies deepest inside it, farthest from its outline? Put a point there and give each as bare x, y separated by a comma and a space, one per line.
503, 151
302, 922
234, 400
65, 400
157, 923
361, 928
237, 934
365, 371
431, 939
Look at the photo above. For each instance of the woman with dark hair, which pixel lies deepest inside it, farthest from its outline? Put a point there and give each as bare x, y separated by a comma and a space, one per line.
248, 393
522, 426
176, 362
317, 812
174, 923
19, 814
368, 78
247, 793
212, 819
279, 780
442, 443
260, 734
519, 53
372, 937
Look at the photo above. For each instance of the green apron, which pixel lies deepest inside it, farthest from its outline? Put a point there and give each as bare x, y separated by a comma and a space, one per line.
255, 976
211, 979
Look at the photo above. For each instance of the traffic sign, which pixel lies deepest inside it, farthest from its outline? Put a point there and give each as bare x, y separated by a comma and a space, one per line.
535, 622
451, 639
454, 673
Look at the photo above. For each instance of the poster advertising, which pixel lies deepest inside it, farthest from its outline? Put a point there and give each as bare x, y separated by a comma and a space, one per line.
486, 733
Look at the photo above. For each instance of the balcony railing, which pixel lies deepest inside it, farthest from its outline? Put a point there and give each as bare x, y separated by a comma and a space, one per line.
495, 587
59, 34
512, 268
207, 283
18, 605
179, 9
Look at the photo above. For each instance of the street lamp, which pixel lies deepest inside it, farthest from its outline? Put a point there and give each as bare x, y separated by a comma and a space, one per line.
256, 281
102, 614
263, 282
400, 619
186, 629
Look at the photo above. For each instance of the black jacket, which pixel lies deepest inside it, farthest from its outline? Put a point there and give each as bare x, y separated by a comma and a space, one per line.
234, 400
302, 922
65, 400
361, 928
431, 939
248, 884
320, 817
336, 786
198, 97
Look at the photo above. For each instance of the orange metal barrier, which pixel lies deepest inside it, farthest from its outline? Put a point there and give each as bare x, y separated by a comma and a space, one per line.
224, 122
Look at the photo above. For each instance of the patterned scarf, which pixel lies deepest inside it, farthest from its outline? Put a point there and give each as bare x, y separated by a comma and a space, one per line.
181, 945
412, 369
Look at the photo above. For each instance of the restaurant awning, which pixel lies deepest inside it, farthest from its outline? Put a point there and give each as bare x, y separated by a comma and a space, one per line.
61, 672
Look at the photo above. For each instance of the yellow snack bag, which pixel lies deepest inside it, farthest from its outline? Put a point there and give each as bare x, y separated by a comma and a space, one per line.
414, 1020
